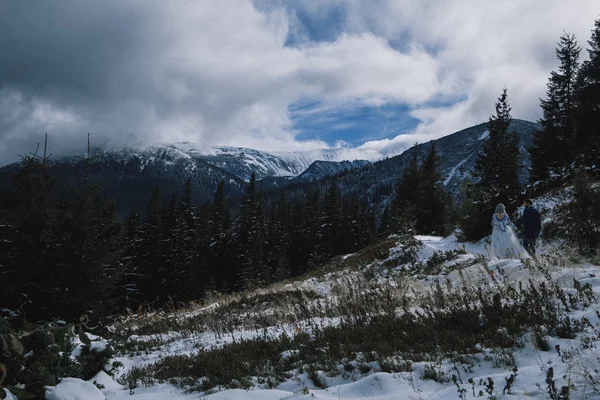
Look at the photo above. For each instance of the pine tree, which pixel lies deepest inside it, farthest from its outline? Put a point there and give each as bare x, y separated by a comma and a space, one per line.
385, 224
551, 155
474, 214
128, 294
251, 235
150, 256
214, 247
33, 221
329, 226
497, 166
497, 173
404, 206
7, 238
88, 258
279, 240
219, 215
352, 225
587, 136
431, 213
186, 278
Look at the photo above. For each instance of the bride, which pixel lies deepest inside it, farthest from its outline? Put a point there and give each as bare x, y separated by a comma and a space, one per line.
504, 241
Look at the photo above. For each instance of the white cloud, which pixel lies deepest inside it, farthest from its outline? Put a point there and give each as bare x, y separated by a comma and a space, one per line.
478, 46
219, 72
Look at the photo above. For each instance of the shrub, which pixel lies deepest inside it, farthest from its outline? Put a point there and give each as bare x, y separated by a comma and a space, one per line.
93, 361
578, 221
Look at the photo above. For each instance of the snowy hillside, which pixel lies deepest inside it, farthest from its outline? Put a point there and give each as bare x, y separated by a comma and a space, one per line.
457, 151
243, 162
238, 161
511, 329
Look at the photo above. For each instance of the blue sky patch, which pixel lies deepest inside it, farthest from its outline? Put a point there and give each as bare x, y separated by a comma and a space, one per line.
352, 123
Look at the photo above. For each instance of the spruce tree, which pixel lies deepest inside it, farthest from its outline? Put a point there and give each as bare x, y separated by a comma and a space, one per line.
251, 235
215, 246
329, 226
497, 176
587, 136
88, 258
279, 239
352, 225
150, 256
433, 199
33, 218
128, 294
497, 165
308, 226
405, 203
551, 156
186, 280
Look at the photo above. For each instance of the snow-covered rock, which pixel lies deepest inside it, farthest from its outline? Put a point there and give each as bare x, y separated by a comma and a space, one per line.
9, 395
74, 389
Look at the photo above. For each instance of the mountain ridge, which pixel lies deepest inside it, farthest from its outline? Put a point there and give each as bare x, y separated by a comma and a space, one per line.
131, 175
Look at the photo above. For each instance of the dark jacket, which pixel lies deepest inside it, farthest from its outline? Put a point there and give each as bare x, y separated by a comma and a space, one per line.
532, 222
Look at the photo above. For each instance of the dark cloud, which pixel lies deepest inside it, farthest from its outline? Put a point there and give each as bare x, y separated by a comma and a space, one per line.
227, 71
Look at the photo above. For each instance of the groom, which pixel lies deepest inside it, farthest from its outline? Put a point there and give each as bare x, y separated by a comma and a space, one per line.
532, 225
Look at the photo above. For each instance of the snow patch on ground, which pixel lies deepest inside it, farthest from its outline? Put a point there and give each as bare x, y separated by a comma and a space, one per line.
98, 344
74, 389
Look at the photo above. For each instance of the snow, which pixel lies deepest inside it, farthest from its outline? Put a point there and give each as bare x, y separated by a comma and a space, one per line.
453, 171
98, 344
105, 380
9, 395
472, 266
532, 363
74, 389
484, 135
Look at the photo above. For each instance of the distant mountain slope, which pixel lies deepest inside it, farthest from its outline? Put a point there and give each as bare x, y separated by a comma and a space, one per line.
321, 169
131, 175
242, 162
457, 152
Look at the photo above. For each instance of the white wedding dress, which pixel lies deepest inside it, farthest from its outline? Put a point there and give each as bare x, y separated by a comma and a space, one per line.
504, 241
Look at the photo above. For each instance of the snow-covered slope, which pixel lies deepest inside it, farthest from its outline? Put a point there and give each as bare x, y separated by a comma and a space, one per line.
531, 363
415, 268
243, 162
238, 161
319, 169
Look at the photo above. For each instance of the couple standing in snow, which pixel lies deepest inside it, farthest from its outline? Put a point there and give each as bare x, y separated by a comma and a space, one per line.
504, 240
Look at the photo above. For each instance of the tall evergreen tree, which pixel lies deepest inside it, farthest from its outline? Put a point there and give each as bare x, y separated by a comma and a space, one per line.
329, 226
251, 235
497, 166
433, 199
550, 155
215, 247
128, 294
150, 257
34, 222
88, 259
587, 135
186, 276
279, 237
497, 173
405, 203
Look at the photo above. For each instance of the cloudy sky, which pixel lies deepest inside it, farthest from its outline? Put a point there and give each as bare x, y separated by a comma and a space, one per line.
371, 75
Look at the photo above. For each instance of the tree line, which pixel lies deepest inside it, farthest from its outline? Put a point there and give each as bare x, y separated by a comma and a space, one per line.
65, 252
